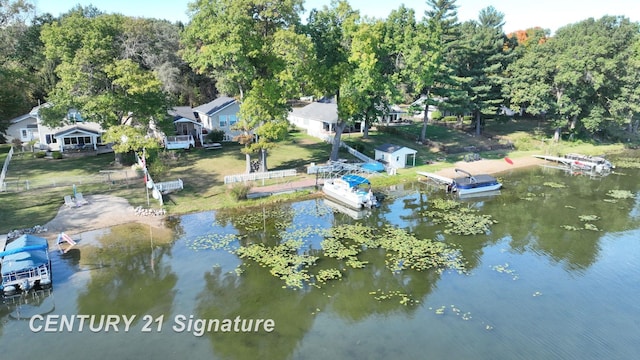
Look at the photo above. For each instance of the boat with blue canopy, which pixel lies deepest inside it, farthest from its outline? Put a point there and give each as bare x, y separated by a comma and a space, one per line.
352, 190
25, 265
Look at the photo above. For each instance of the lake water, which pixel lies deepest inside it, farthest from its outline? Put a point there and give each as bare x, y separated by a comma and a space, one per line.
557, 277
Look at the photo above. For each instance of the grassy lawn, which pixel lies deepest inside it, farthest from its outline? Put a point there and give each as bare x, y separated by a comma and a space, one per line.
203, 171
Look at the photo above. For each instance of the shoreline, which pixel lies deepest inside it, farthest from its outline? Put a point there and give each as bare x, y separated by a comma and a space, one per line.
104, 211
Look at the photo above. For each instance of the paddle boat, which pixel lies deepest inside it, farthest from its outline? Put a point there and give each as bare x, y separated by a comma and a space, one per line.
352, 190
465, 185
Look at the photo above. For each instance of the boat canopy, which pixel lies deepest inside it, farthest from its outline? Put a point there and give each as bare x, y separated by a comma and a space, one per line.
355, 180
25, 252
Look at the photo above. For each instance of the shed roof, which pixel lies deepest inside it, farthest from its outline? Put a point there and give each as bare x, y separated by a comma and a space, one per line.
392, 149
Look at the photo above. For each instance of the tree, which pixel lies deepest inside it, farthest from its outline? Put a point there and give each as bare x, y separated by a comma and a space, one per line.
427, 71
330, 30
582, 76
16, 74
369, 87
481, 61
96, 78
241, 44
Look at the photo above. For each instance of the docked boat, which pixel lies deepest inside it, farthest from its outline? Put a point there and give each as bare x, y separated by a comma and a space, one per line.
590, 164
25, 265
465, 185
352, 190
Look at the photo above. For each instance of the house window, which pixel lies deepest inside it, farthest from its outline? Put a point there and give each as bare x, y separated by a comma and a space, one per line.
24, 134
223, 120
232, 120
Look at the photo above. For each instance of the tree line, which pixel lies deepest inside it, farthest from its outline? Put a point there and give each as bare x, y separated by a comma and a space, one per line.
122, 71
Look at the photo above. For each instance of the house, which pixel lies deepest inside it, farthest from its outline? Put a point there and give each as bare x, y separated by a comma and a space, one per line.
432, 108
78, 134
188, 129
395, 156
192, 124
392, 114
219, 114
24, 127
318, 118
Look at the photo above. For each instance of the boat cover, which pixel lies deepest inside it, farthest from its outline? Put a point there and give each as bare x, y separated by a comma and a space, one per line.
355, 180
25, 252
373, 166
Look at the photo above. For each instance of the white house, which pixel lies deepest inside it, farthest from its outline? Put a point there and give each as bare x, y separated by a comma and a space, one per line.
77, 134
318, 118
24, 127
396, 156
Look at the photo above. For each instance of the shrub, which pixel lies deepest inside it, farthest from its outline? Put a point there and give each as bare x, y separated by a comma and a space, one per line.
436, 115
40, 154
240, 191
215, 135
450, 118
56, 155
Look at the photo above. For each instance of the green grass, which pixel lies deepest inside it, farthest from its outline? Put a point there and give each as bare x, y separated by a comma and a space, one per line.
203, 171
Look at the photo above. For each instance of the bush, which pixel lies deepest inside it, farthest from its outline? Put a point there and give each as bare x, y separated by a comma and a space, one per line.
450, 119
215, 135
436, 115
56, 155
40, 154
240, 191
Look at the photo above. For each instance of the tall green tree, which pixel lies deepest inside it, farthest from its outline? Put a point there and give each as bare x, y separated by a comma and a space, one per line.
369, 88
18, 88
427, 72
582, 78
239, 44
482, 60
94, 75
330, 29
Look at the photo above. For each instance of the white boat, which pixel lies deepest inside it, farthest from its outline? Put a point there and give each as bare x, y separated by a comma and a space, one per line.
591, 164
468, 184
352, 190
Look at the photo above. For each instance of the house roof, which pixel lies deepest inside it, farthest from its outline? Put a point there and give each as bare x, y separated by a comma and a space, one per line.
326, 112
185, 112
392, 149
77, 128
184, 120
22, 118
216, 105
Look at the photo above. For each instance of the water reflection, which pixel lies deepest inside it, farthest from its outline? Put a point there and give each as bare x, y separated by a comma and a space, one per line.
544, 273
129, 275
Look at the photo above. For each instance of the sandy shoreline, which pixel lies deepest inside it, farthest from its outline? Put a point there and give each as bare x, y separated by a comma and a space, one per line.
104, 211
490, 166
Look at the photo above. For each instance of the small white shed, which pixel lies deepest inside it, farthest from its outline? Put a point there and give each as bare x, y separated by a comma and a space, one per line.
396, 156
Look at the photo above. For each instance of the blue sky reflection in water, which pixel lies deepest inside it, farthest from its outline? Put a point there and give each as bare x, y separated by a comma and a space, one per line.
539, 284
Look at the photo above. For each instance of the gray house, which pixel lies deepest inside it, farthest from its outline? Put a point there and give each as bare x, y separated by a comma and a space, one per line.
221, 113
